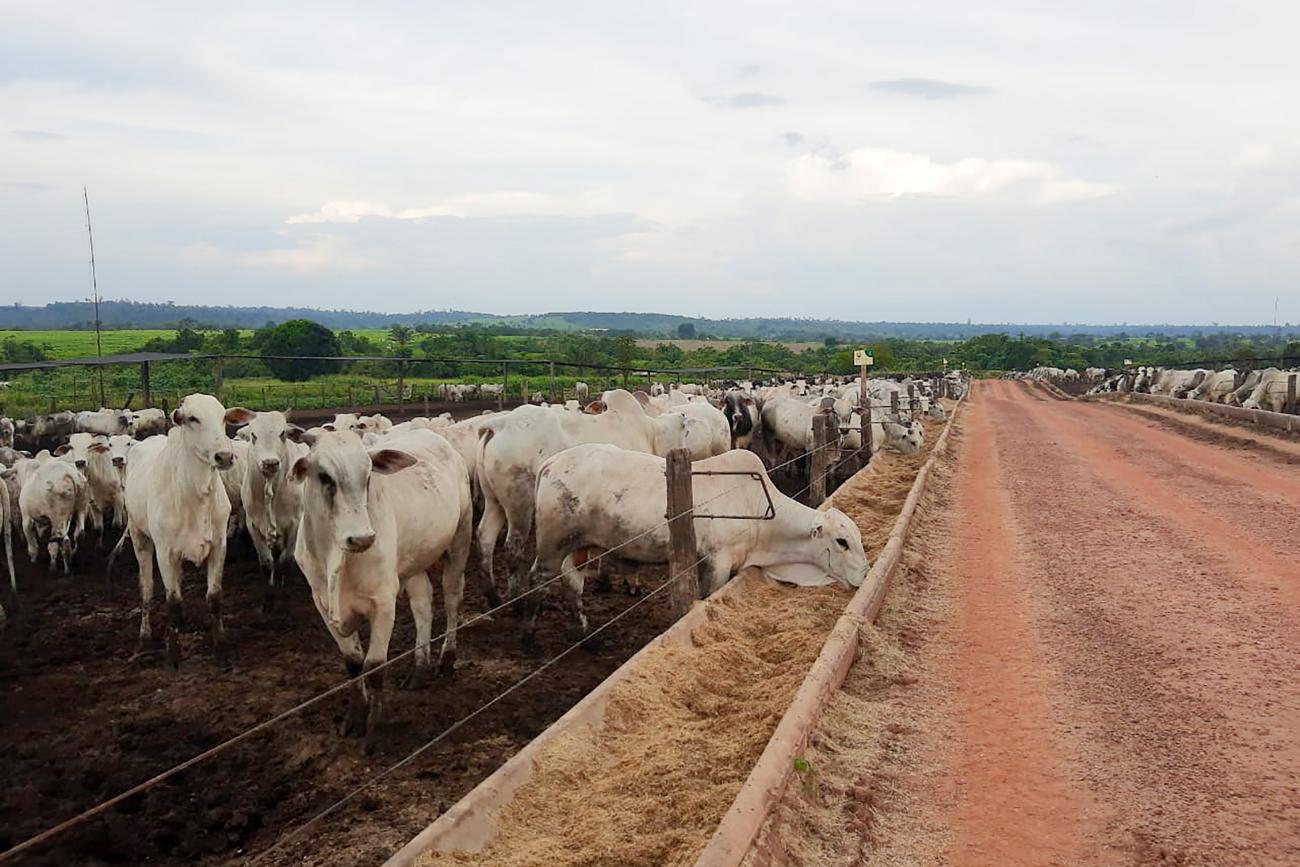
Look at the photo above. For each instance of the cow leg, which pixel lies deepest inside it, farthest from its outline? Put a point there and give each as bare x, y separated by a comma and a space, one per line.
143, 547
519, 524
574, 579
354, 718
216, 567
171, 568
33, 544
453, 590
381, 633
489, 530
718, 568
266, 559
419, 592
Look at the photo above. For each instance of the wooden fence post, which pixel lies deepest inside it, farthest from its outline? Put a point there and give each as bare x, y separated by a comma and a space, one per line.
820, 463
145, 391
426, 403
401, 385
376, 388
893, 402
505, 385
913, 403
1290, 394
553, 400
866, 427
219, 378
683, 570
351, 400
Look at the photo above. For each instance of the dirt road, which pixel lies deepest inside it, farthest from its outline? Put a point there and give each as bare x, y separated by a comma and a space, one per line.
1092, 655
1127, 640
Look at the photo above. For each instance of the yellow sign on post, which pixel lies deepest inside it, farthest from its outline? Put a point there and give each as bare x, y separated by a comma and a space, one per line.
863, 357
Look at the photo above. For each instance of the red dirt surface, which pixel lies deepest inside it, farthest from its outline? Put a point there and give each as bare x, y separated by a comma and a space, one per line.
1125, 643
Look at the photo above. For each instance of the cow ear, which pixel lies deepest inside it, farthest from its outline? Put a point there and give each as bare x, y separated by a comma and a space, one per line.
98, 448
596, 407
237, 415
62, 450
294, 432
391, 460
177, 419
329, 426
299, 470
7, 472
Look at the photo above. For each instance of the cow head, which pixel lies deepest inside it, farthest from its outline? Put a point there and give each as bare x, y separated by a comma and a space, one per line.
336, 475
830, 552
200, 425
268, 435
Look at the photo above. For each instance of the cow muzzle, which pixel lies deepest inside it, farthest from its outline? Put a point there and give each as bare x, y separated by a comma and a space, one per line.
359, 542
224, 460
119, 462
81, 465
270, 466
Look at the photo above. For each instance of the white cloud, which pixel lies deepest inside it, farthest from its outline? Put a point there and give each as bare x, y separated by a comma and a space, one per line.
1254, 156
884, 173
501, 203
314, 254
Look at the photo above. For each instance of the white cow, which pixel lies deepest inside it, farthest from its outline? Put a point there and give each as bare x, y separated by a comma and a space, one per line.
53, 504
369, 531
582, 391
593, 498
92, 456
1215, 387
1270, 391
513, 447
711, 436
6, 432
177, 508
271, 497
1177, 383
787, 425
148, 422
7, 529
105, 422
232, 477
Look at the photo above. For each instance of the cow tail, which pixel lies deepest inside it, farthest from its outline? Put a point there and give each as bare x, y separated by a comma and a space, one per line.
112, 557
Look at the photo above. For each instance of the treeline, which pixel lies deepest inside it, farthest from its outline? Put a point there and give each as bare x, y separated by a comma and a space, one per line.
435, 352
466, 350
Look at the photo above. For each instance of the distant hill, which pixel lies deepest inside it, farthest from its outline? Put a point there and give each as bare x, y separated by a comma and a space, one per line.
132, 314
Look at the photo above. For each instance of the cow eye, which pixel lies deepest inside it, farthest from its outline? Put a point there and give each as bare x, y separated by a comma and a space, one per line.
843, 543
194, 419
325, 479
252, 437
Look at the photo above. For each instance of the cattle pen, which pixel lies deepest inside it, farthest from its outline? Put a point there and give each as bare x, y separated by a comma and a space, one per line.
250, 749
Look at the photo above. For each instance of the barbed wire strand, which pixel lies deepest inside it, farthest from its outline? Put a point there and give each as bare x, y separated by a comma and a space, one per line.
416, 753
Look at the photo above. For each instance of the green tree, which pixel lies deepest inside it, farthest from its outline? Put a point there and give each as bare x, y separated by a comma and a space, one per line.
401, 335
301, 337
686, 331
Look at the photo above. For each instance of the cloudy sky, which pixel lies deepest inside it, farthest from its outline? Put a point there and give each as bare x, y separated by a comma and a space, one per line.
1117, 162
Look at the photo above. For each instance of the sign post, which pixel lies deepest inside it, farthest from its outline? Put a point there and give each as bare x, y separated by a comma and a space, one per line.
864, 358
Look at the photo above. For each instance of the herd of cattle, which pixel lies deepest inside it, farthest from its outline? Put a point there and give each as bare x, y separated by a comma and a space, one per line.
1251, 389
367, 508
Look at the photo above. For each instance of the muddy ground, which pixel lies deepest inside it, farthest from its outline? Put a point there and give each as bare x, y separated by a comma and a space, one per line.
85, 718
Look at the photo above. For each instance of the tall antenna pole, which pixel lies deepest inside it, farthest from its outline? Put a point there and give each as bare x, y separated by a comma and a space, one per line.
94, 288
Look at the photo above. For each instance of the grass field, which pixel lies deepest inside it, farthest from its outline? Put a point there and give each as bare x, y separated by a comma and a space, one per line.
81, 344
692, 345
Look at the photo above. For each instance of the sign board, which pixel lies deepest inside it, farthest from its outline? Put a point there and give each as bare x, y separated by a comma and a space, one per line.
863, 357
